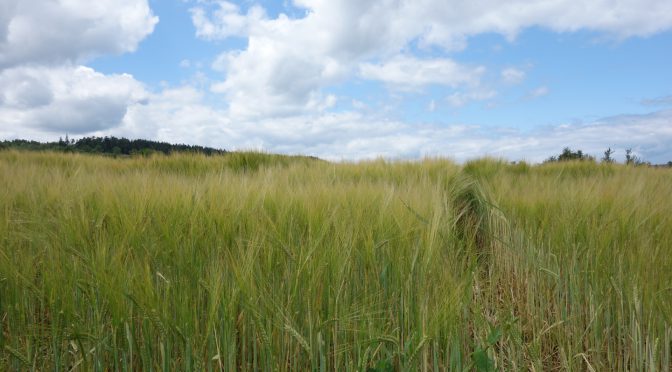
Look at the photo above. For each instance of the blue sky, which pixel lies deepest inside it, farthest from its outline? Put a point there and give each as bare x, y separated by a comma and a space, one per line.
345, 79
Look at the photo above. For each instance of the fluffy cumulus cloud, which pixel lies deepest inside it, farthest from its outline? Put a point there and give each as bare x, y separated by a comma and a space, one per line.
226, 21
263, 83
66, 99
411, 72
55, 31
288, 61
44, 89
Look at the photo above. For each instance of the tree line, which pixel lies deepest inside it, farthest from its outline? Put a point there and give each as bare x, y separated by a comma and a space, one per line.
109, 145
568, 154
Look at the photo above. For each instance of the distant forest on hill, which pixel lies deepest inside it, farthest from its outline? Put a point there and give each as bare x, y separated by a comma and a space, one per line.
109, 145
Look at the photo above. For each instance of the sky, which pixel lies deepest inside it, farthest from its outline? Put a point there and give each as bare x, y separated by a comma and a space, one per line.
345, 79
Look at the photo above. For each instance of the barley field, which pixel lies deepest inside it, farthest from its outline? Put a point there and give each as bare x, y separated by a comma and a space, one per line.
250, 261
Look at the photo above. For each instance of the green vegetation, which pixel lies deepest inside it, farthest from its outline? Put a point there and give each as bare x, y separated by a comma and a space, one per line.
569, 155
250, 261
108, 146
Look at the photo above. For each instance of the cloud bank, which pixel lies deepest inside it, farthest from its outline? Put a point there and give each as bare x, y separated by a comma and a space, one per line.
288, 61
66, 99
179, 114
274, 92
45, 89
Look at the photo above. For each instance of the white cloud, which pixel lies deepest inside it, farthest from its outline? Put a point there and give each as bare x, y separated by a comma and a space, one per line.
58, 31
622, 18
460, 99
264, 81
274, 86
44, 89
649, 135
513, 75
288, 61
225, 21
72, 99
539, 92
409, 72
181, 115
